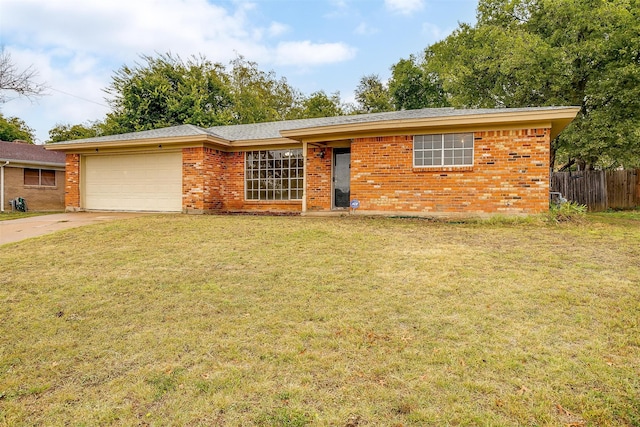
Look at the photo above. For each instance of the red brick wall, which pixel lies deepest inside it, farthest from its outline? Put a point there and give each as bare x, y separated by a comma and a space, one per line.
319, 179
72, 182
232, 190
202, 170
510, 175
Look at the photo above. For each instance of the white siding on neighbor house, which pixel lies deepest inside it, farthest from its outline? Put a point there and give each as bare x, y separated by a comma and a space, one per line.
133, 182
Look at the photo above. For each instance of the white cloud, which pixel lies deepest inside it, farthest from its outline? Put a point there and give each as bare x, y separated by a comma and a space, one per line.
77, 45
277, 29
365, 30
305, 53
404, 7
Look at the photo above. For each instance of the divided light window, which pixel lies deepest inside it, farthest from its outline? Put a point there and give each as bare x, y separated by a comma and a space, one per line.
274, 175
449, 149
40, 177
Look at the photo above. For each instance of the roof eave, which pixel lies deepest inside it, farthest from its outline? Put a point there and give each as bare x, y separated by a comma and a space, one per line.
557, 119
139, 143
28, 163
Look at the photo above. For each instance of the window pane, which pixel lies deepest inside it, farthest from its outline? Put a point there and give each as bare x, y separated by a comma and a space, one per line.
268, 178
468, 140
468, 156
48, 177
436, 159
32, 177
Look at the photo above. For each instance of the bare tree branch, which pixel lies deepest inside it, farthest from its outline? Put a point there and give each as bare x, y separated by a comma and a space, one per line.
24, 82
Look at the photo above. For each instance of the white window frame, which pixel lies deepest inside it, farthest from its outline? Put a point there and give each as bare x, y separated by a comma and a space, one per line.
273, 175
444, 150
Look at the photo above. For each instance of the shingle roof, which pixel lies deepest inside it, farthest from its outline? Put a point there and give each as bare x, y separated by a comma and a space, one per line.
173, 131
24, 152
269, 130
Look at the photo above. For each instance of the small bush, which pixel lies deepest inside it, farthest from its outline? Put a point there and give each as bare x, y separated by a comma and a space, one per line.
568, 212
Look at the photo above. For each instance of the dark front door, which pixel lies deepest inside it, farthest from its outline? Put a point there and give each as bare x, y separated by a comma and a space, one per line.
341, 177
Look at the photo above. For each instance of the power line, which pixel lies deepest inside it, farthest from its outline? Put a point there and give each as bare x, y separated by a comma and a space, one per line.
79, 97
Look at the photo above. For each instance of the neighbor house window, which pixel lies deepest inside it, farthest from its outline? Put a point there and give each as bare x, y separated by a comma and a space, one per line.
40, 177
449, 149
274, 175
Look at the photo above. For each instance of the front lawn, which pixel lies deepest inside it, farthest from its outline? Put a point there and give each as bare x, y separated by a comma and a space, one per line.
290, 321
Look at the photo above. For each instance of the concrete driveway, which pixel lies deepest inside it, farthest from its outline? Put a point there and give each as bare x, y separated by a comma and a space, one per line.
19, 229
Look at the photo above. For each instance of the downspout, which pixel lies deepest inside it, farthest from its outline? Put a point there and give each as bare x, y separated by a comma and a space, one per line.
304, 177
2, 185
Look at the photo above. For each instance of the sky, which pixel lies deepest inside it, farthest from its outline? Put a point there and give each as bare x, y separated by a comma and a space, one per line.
76, 46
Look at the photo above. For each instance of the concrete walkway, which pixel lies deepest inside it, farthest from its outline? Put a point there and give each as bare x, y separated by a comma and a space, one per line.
15, 230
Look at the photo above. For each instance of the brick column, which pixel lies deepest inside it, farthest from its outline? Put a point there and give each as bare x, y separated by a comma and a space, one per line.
72, 182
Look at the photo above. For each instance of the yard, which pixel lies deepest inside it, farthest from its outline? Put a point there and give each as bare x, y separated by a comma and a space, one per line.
290, 321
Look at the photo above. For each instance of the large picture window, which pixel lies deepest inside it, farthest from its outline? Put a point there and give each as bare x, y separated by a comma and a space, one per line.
449, 149
40, 177
274, 175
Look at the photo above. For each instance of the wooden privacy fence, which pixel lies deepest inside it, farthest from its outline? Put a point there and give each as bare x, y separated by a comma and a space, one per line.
599, 190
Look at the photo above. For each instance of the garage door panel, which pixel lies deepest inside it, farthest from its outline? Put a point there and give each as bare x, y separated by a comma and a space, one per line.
139, 182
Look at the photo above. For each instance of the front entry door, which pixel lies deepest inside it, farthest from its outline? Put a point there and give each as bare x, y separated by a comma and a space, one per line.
341, 177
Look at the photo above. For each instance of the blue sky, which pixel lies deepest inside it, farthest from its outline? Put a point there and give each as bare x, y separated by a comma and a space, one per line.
77, 45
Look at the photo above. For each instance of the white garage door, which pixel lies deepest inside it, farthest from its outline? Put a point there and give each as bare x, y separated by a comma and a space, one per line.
134, 182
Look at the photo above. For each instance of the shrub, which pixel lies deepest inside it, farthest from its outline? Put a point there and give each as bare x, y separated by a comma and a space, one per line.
567, 212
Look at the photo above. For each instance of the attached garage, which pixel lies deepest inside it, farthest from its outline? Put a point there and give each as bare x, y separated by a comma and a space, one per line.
133, 182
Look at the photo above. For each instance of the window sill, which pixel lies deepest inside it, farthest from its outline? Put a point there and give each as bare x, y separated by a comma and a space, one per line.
41, 187
285, 202
428, 169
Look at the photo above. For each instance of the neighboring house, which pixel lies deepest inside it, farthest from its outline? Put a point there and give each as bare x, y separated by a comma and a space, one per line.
32, 173
417, 162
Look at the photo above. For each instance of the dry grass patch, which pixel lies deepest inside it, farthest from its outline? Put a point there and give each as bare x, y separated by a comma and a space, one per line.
6, 215
205, 320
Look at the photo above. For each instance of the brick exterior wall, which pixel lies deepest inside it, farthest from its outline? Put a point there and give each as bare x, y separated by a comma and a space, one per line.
319, 173
37, 198
72, 185
202, 171
213, 181
510, 175
233, 191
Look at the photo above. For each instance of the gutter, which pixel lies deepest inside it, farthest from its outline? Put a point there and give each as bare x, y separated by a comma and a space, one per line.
19, 163
2, 185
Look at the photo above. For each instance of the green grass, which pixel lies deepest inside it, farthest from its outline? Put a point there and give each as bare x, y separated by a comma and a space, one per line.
272, 321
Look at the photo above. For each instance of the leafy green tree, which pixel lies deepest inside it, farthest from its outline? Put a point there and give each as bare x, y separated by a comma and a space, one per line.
553, 52
319, 104
372, 96
260, 96
12, 128
167, 91
68, 132
412, 87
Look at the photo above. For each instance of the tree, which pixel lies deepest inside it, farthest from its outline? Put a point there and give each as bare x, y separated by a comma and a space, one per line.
412, 87
372, 95
167, 91
13, 80
553, 52
13, 128
319, 104
68, 132
260, 96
